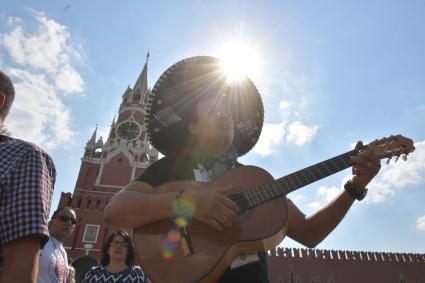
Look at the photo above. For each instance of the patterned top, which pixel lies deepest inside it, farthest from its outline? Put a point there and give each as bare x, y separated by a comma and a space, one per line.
27, 178
53, 263
99, 274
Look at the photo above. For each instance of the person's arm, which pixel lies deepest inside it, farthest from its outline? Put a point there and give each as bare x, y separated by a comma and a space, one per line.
21, 260
311, 230
138, 205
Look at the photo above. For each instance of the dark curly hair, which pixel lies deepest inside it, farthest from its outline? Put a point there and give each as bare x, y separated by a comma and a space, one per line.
130, 248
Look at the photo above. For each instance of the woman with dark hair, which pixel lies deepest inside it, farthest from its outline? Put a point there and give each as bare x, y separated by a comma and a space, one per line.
117, 263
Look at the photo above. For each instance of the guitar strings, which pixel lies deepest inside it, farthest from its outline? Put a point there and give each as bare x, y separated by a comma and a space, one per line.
269, 188
274, 188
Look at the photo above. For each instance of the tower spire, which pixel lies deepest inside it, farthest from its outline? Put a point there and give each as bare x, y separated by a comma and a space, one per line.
93, 136
142, 81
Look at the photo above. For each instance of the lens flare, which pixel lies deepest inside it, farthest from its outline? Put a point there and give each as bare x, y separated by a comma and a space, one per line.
183, 210
238, 60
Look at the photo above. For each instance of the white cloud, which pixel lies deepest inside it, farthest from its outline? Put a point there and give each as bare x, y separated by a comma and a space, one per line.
298, 199
328, 193
400, 175
299, 91
41, 57
300, 134
391, 179
315, 205
69, 80
324, 196
420, 223
378, 192
44, 46
283, 105
271, 136
37, 113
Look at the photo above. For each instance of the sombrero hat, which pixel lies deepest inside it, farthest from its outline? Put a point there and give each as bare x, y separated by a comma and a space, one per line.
171, 101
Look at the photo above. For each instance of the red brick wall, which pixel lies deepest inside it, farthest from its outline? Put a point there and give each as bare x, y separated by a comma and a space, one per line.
313, 265
87, 175
117, 171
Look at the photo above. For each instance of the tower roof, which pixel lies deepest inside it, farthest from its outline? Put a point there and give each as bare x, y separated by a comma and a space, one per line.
93, 136
142, 81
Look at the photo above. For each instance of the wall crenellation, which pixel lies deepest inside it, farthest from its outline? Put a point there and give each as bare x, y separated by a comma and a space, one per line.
317, 254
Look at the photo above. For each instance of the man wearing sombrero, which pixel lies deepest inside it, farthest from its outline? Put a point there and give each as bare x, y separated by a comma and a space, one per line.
202, 124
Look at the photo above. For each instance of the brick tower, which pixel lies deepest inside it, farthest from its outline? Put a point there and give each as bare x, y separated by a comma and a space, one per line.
107, 167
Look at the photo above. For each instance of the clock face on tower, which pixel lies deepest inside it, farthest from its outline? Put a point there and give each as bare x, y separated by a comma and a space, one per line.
129, 130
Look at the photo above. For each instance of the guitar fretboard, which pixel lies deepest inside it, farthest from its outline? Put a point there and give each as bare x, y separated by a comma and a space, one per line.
289, 183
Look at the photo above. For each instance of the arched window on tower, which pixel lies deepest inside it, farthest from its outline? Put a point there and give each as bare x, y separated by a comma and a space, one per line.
79, 203
136, 97
88, 203
97, 153
98, 204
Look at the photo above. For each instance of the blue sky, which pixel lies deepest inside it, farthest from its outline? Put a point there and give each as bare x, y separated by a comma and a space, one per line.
330, 73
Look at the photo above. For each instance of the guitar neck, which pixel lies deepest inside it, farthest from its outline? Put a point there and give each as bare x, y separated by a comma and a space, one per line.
298, 179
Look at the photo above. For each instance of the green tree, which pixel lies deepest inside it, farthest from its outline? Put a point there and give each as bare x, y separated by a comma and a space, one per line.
402, 278
293, 278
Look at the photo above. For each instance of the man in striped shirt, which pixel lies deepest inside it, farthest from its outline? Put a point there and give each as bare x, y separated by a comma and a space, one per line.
27, 177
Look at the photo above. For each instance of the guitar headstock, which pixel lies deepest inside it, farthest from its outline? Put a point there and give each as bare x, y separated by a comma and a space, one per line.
392, 146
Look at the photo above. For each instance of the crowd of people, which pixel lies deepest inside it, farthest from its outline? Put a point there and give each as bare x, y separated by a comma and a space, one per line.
201, 125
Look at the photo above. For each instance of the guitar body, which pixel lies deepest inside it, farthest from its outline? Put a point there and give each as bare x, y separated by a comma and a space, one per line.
258, 229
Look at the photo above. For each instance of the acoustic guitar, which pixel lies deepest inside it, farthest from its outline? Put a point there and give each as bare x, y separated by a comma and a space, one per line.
261, 225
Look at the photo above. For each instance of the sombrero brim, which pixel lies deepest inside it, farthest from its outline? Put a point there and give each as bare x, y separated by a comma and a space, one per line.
170, 104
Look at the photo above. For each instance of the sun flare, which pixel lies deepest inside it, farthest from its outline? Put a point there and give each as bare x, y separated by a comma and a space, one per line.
238, 60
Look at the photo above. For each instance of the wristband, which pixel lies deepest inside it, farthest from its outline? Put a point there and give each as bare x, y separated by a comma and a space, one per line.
358, 195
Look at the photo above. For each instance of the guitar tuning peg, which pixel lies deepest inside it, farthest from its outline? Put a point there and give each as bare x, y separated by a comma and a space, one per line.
388, 160
404, 157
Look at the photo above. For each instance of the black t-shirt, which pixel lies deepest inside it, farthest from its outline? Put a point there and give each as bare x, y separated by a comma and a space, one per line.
169, 169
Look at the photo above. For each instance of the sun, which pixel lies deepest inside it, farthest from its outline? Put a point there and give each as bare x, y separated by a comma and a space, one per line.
238, 60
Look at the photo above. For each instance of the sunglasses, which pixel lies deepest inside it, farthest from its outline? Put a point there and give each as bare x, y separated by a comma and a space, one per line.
65, 218
119, 244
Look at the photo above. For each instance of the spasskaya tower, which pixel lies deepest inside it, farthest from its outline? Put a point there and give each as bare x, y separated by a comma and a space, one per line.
107, 167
